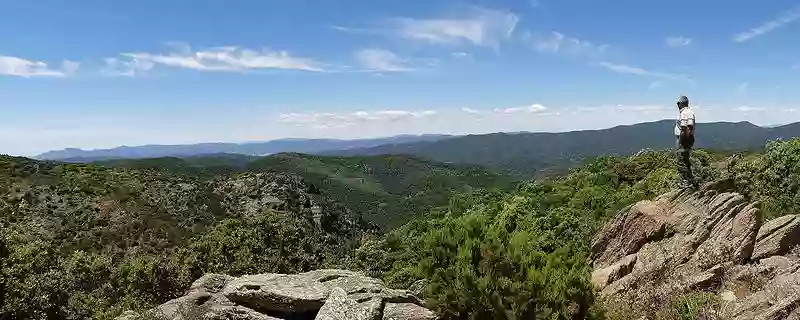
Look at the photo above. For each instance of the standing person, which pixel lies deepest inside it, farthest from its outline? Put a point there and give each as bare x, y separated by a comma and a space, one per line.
684, 134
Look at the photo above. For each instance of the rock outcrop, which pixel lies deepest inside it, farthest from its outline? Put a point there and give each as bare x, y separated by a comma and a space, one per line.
321, 294
707, 240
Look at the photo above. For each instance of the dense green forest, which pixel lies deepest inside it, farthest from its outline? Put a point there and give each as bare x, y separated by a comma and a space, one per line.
90, 241
389, 190
386, 190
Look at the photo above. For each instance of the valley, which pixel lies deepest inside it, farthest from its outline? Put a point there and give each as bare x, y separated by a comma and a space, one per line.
96, 240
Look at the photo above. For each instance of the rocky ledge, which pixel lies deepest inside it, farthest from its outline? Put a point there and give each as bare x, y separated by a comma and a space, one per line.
320, 294
710, 240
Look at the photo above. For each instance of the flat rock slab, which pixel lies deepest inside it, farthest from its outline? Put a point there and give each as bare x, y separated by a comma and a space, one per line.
282, 293
210, 282
406, 311
777, 237
324, 294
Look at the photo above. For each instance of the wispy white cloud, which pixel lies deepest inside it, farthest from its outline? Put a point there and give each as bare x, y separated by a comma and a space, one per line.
470, 110
478, 26
461, 55
126, 67
381, 60
655, 85
742, 89
324, 120
355, 30
533, 109
641, 108
628, 69
557, 42
781, 20
219, 59
679, 41
750, 109
14, 66
790, 110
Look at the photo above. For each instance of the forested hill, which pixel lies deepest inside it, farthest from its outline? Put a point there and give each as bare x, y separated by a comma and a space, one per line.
80, 241
386, 190
532, 154
84, 241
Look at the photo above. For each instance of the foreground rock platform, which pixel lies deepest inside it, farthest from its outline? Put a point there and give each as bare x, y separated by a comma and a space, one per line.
710, 240
321, 294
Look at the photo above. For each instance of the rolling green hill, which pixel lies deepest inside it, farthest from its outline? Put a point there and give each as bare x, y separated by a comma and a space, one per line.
206, 165
529, 154
84, 241
386, 190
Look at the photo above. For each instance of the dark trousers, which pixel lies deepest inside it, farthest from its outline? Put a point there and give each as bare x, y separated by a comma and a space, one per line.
683, 148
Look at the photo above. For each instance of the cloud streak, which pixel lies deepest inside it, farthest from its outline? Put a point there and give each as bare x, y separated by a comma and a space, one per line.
14, 66
783, 19
217, 59
470, 110
381, 60
325, 120
747, 109
655, 85
531, 109
742, 89
679, 41
479, 26
557, 42
641, 108
628, 69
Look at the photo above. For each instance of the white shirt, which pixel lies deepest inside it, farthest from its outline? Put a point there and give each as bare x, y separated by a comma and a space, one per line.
685, 118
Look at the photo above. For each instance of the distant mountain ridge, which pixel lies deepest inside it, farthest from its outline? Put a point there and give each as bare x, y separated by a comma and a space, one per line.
523, 154
248, 148
530, 154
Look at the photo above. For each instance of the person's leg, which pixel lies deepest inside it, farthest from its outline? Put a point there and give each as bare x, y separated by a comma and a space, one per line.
680, 163
687, 160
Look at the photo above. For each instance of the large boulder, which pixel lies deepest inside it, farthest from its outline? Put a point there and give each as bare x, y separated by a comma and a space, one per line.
708, 240
210, 282
339, 307
777, 299
406, 311
680, 242
324, 294
777, 237
284, 293
603, 277
628, 232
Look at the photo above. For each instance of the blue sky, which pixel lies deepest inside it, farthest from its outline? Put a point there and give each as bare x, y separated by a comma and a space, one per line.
98, 73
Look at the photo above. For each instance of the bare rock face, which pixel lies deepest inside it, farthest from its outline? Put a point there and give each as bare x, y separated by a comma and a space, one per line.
320, 294
680, 242
339, 307
627, 233
406, 311
210, 282
777, 237
709, 240
603, 277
